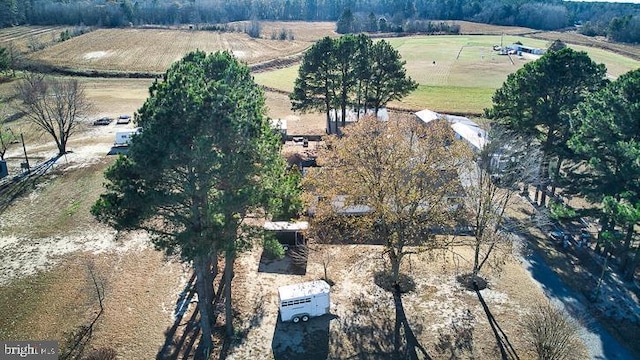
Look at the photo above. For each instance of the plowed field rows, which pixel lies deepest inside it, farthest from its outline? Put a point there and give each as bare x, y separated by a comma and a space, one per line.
21, 35
153, 50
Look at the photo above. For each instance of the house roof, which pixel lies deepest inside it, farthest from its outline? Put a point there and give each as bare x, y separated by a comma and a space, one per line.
474, 135
462, 126
427, 115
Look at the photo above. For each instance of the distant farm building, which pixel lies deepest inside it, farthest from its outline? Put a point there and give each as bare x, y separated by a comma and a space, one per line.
520, 49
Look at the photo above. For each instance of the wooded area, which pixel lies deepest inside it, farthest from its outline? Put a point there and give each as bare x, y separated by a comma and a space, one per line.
618, 21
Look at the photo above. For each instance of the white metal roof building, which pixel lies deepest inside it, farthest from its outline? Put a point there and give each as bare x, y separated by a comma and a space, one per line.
464, 128
473, 135
286, 225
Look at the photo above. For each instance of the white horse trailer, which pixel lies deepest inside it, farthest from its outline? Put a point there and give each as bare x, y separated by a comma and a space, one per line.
303, 301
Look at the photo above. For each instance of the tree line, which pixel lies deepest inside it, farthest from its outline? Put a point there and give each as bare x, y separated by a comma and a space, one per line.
615, 20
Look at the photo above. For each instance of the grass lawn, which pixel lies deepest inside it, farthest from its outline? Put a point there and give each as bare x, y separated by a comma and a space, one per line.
282, 79
448, 99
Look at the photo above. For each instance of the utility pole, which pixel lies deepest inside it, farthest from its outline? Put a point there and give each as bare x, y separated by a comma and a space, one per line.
26, 159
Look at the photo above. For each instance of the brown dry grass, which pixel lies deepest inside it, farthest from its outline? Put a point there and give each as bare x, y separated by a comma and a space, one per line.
438, 300
153, 50
472, 28
60, 204
573, 37
21, 36
141, 289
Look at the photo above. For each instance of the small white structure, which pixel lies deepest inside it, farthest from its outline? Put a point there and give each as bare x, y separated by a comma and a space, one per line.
303, 301
475, 136
123, 137
279, 125
426, 116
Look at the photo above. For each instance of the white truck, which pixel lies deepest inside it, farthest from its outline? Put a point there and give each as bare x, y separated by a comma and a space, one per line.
303, 301
123, 137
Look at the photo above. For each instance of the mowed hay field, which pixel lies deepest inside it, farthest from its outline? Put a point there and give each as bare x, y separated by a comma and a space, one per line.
153, 50
459, 73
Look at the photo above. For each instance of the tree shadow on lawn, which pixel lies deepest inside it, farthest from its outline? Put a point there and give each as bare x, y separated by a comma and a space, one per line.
570, 275
19, 185
504, 345
181, 336
308, 341
370, 332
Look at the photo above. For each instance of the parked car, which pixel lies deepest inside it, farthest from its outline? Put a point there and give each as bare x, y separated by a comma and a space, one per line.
103, 121
123, 119
557, 235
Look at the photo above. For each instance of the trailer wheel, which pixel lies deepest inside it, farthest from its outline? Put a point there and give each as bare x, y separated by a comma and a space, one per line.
305, 318
296, 319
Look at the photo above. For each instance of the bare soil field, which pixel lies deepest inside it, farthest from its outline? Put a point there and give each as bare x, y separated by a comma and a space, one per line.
153, 50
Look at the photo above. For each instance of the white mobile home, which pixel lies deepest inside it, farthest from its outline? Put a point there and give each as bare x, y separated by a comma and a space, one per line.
303, 301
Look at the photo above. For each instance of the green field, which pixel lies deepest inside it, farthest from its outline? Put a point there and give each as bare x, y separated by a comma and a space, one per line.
458, 73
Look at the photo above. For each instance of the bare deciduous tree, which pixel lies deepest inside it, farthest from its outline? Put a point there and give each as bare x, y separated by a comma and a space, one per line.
54, 105
553, 334
396, 180
491, 181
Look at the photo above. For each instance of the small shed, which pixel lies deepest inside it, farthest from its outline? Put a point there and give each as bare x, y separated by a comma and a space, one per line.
288, 233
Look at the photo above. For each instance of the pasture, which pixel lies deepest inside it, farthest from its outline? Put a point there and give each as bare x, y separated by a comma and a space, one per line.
455, 73
459, 74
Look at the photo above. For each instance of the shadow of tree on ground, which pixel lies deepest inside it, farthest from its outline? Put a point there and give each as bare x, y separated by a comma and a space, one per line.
371, 332
504, 345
